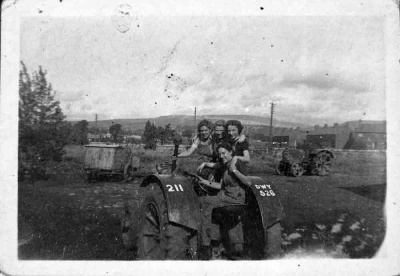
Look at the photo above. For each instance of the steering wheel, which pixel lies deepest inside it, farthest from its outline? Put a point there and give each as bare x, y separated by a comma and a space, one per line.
200, 188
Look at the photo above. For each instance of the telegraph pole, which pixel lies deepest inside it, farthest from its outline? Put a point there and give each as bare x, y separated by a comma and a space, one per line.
194, 122
270, 124
97, 129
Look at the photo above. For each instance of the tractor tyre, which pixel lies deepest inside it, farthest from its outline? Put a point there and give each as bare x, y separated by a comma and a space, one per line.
159, 239
280, 168
296, 169
323, 162
273, 243
129, 224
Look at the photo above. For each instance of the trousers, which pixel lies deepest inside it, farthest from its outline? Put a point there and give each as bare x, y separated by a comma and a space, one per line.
209, 230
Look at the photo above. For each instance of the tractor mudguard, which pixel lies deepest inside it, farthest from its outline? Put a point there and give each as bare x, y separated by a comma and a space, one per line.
268, 201
314, 152
181, 199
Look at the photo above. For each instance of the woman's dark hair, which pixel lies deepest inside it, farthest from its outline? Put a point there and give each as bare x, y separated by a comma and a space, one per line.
206, 123
219, 123
225, 145
235, 123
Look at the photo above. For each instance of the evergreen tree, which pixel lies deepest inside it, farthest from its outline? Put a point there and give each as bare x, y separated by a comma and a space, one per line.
115, 130
42, 129
149, 135
168, 133
79, 133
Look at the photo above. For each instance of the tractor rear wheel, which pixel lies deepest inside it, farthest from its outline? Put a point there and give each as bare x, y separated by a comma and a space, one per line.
159, 239
323, 163
129, 224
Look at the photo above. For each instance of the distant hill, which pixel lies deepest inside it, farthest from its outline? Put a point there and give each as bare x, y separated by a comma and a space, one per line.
184, 120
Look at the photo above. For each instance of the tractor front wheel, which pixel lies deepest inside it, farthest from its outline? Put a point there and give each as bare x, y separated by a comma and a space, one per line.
297, 169
273, 246
159, 239
280, 168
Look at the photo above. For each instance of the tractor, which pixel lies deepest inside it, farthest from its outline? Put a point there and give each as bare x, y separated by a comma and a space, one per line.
164, 223
296, 162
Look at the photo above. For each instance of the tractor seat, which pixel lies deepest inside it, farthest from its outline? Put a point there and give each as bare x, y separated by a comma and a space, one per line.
232, 212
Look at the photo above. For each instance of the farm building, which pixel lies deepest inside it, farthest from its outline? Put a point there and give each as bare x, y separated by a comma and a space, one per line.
280, 141
284, 137
335, 136
374, 135
93, 137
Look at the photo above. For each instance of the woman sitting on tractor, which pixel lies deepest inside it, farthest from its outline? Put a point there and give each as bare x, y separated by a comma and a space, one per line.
240, 147
231, 187
202, 144
219, 135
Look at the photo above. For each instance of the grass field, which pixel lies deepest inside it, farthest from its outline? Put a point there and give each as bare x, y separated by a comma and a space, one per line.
66, 218
345, 162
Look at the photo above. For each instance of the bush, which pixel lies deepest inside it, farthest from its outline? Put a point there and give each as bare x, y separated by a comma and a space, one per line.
262, 163
74, 153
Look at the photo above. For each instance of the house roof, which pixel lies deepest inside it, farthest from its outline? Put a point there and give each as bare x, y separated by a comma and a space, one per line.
371, 128
103, 145
356, 124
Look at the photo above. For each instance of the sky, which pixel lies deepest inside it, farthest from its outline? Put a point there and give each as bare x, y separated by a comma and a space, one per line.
316, 69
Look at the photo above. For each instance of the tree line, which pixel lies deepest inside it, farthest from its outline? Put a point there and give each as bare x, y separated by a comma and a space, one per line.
43, 129
161, 134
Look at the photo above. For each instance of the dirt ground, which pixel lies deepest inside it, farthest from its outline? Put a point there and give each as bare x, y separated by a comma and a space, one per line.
339, 216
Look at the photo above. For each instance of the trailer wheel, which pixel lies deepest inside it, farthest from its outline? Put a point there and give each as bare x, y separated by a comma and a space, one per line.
159, 239
128, 172
88, 177
91, 176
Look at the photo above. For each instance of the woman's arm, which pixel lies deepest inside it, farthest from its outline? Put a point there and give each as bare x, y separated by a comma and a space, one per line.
212, 184
205, 164
245, 158
241, 138
243, 178
190, 150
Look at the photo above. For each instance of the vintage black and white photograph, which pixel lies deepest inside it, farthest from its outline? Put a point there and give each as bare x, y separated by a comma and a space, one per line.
145, 132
